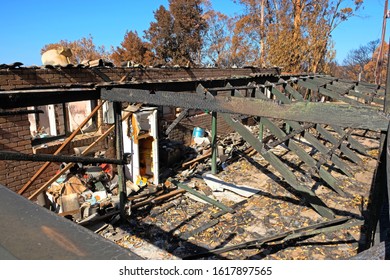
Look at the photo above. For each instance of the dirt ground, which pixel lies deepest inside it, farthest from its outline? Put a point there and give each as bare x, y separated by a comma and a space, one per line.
162, 231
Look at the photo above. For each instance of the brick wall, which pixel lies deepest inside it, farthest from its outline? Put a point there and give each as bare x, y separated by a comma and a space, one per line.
15, 136
15, 131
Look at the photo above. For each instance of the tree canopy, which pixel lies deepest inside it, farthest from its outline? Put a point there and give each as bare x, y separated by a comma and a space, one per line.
82, 49
292, 34
177, 34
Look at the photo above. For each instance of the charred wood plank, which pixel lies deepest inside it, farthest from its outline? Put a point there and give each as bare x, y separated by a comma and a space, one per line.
19, 112
200, 229
181, 116
352, 141
37, 97
298, 233
203, 197
356, 117
6, 155
343, 147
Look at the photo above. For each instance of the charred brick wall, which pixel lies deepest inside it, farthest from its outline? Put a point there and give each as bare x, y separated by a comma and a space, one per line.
15, 136
15, 131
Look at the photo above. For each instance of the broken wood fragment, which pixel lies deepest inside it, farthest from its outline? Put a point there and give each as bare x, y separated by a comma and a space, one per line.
63, 145
203, 197
297, 233
203, 227
181, 116
69, 165
206, 155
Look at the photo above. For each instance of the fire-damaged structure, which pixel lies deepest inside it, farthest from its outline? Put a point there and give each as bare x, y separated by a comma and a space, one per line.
112, 131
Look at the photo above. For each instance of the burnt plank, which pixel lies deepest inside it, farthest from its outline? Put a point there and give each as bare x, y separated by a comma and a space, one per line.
325, 113
200, 229
289, 89
181, 116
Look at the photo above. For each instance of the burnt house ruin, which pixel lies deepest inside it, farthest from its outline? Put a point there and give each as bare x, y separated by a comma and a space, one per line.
118, 148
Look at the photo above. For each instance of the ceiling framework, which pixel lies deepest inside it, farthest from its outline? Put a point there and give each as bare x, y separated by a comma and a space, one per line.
310, 106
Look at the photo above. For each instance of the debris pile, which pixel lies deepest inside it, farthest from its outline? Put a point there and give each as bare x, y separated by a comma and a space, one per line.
85, 192
245, 211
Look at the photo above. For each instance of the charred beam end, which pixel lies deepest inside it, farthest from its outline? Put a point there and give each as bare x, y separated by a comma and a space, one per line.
5, 155
19, 112
37, 97
325, 113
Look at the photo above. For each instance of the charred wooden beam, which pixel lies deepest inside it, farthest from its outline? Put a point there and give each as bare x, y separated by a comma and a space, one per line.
200, 229
203, 197
356, 117
19, 112
338, 144
37, 97
286, 137
6, 155
181, 116
119, 153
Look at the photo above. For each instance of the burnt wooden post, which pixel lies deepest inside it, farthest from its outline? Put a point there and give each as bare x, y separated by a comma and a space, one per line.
214, 147
378, 222
119, 156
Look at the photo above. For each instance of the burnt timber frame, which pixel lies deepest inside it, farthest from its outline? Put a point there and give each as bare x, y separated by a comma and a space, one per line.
267, 95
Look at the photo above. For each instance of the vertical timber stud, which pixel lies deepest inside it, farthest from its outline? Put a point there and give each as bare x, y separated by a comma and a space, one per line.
214, 143
119, 156
378, 223
386, 207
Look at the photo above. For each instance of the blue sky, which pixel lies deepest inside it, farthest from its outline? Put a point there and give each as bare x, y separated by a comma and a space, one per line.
28, 25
